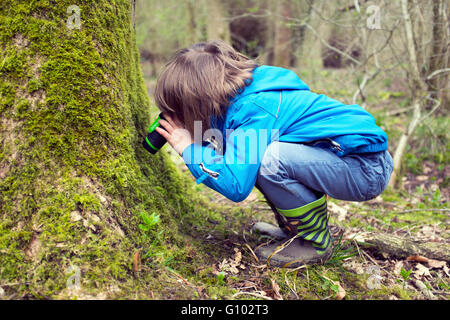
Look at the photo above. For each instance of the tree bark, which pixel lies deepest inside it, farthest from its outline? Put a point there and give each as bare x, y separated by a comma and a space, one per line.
74, 176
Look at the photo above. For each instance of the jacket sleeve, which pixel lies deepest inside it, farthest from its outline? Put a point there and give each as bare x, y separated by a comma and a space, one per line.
234, 173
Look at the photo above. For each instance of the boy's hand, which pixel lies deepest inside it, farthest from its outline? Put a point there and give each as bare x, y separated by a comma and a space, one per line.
175, 133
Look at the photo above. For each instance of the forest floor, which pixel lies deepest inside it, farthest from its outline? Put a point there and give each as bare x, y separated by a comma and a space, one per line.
353, 272
418, 210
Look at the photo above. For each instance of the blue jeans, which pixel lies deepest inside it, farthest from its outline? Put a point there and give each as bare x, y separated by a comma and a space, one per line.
292, 175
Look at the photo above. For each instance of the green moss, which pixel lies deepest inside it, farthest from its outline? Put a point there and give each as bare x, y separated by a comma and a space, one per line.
34, 85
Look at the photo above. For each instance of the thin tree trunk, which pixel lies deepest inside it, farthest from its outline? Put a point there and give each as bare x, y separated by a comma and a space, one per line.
283, 34
439, 50
417, 89
217, 27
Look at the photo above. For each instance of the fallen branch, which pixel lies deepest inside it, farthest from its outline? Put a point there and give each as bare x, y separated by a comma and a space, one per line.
402, 248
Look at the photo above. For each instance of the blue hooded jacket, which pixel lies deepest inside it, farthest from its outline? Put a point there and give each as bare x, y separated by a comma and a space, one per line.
276, 106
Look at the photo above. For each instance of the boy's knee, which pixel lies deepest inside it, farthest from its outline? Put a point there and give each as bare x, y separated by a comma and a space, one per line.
271, 169
271, 160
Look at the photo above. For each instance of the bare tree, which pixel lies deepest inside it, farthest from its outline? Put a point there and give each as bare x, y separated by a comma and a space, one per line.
418, 89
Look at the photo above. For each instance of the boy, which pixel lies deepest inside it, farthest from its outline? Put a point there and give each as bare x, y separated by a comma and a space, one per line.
238, 125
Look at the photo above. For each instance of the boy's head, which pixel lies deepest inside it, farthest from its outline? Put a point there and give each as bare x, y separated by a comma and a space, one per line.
198, 82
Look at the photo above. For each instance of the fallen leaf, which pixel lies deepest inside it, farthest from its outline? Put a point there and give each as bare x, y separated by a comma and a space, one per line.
341, 292
436, 264
233, 269
398, 267
446, 271
423, 288
427, 231
421, 271
276, 290
237, 256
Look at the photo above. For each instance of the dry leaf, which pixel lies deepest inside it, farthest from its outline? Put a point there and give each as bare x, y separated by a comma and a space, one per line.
237, 256
276, 290
446, 271
421, 271
233, 269
436, 264
423, 288
357, 236
341, 293
232, 265
398, 267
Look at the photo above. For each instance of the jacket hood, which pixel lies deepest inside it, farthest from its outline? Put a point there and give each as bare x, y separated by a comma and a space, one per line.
269, 78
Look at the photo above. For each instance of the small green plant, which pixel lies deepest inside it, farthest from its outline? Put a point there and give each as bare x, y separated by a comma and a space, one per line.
406, 274
341, 251
150, 221
221, 277
329, 285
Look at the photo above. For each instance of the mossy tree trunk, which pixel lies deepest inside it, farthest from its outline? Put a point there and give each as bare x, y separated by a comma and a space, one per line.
74, 177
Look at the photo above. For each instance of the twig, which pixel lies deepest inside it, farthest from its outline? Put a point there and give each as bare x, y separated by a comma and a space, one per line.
292, 290
251, 294
370, 258
436, 72
435, 107
281, 247
253, 253
329, 46
415, 210
397, 112
175, 273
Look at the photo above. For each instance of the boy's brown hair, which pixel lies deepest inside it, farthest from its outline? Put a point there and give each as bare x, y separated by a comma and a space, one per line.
198, 82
